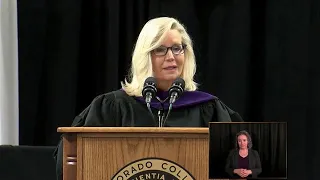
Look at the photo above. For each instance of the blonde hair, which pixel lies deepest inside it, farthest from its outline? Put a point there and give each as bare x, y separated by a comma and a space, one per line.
150, 38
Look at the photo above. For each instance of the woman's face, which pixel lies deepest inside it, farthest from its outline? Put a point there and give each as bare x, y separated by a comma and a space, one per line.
168, 59
243, 142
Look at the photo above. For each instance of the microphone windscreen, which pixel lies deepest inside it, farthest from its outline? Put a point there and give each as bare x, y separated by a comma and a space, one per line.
180, 82
150, 80
149, 86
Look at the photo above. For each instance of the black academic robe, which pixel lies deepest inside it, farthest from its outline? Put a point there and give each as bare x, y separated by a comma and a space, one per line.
254, 163
117, 109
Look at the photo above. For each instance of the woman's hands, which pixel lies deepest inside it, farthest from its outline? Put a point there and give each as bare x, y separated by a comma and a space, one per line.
242, 172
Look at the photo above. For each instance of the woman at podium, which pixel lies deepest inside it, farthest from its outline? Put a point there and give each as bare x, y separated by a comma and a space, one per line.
162, 73
243, 161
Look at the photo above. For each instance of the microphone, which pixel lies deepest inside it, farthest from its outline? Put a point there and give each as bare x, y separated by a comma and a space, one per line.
148, 92
175, 92
149, 89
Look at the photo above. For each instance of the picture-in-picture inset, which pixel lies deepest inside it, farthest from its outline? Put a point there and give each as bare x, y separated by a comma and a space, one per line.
249, 150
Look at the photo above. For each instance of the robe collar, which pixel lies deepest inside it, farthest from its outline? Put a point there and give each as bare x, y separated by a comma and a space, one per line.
188, 98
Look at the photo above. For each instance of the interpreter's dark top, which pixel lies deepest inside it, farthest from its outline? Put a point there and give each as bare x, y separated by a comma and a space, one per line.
243, 162
117, 109
251, 162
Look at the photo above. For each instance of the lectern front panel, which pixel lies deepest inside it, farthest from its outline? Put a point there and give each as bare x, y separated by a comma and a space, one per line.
107, 156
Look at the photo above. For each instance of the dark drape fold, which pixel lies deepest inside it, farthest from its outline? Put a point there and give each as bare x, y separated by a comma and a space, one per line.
260, 57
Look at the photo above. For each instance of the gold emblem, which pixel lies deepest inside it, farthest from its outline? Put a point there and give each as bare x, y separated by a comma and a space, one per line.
153, 169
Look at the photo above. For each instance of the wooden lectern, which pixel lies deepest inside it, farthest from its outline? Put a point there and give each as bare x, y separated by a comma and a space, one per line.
119, 153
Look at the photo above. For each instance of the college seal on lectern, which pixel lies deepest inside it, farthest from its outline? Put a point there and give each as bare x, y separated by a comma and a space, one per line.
153, 169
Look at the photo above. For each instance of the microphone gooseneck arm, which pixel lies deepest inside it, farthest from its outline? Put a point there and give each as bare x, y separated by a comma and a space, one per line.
149, 109
171, 101
175, 92
169, 110
148, 92
161, 111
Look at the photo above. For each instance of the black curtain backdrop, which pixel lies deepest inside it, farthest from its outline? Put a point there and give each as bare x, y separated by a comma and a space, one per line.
269, 139
260, 57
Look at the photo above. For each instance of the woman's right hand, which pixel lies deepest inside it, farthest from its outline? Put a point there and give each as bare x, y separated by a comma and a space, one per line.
238, 171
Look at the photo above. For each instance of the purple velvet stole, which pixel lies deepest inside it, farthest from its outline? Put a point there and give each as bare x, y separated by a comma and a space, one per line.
188, 98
